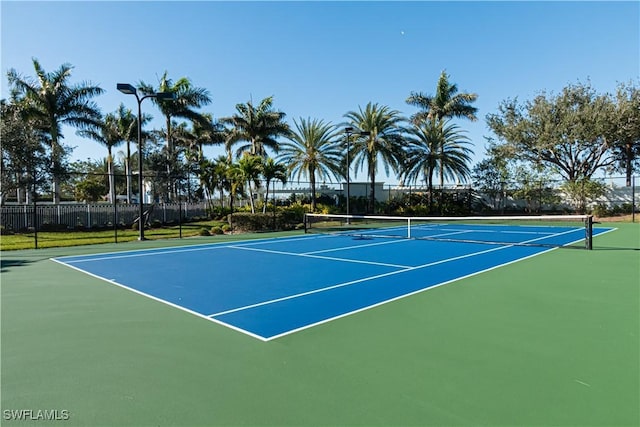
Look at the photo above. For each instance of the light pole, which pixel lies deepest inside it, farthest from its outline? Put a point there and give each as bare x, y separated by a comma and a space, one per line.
128, 89
349, 131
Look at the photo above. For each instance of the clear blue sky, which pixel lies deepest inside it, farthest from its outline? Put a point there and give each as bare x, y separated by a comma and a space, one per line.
322, 59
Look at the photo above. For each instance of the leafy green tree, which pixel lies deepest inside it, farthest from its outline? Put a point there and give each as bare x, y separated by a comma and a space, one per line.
256, 127
626, 148
490, 177
581, 191
89, 180
437, 144
384, 143
89, 190
272, 170
313, 151
571, 132
530, 186
51, 101
24, 165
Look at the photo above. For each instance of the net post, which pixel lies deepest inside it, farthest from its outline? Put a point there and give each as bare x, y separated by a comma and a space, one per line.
408, 228
304, 221
588, 239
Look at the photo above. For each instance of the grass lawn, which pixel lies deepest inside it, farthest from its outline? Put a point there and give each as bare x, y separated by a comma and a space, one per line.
75, 238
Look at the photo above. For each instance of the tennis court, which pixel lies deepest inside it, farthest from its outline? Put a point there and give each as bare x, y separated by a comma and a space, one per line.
526, 334
273, 287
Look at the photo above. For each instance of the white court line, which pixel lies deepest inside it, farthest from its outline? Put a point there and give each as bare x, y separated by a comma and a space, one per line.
352, 282
319, 257
292, 331
179, 307
180, 249
355, 247
264, 339
378, 276
479, 230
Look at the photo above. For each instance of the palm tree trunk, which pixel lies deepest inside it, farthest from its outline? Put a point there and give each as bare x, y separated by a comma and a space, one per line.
55, 163
372, 200
253, 209
266, 198
312, 178
430, 187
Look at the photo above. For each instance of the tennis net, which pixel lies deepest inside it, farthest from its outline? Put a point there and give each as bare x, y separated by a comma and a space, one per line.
543, 230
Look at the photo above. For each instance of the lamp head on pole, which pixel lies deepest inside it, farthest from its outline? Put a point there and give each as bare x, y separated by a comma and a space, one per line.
165, 95
126, 88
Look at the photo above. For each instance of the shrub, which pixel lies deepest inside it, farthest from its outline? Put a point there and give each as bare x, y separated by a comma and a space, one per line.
216, 230
286, 219
53, 227
600, 210
204, 232
226, 228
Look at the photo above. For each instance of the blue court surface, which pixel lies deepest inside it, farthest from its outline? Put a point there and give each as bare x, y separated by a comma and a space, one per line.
273, 287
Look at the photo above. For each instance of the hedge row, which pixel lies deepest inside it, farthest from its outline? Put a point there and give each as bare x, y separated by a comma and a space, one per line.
283, 220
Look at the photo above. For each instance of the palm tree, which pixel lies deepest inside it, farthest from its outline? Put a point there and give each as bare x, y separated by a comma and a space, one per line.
127, 124
272, 170
312, 151
193, 140
236, 182
249, 169
186, 99
384, 141
220, 176
258, 127
53, 102
447, 102
214, 177
108, 135
436, 145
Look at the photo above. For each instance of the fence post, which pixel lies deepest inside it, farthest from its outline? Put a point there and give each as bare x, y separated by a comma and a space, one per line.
115, 220
180, 216
35, 218
633, 199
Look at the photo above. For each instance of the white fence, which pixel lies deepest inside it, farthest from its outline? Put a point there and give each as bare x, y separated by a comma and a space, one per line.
101, 215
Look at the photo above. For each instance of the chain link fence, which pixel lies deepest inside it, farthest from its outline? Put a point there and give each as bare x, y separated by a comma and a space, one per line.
613, 197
